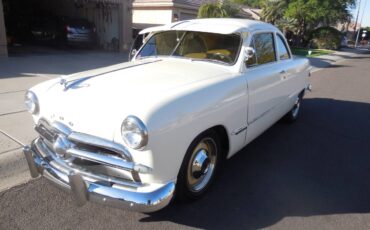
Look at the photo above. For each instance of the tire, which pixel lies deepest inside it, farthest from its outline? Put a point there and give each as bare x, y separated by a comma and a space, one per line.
293, 114
195, 179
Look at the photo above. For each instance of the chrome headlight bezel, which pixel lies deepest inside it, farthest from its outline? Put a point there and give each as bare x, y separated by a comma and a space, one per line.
130, 127
31, 102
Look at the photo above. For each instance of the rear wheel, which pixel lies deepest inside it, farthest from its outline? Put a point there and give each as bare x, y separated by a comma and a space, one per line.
293, 114
199, 167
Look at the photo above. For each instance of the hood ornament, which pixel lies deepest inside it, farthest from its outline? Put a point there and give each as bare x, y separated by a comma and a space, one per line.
63, 82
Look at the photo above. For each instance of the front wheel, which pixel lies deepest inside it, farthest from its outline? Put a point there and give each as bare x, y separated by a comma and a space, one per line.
199, 167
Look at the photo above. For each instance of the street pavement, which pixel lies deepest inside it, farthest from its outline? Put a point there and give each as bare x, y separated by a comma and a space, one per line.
312, 174
324, 61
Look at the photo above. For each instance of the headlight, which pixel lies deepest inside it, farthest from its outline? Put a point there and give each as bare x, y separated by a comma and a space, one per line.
31, 102
134, 132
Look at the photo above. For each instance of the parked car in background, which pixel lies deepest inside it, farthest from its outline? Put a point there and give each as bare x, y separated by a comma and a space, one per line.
135, 134
79, 32
55, 30
46, 28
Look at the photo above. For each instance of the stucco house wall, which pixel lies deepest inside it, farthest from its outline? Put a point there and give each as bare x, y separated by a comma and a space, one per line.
148, 13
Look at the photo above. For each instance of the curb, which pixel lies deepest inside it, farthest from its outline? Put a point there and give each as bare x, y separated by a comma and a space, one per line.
13, 169
328, 60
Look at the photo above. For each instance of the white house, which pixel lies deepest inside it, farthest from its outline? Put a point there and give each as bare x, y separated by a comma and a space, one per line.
148, 13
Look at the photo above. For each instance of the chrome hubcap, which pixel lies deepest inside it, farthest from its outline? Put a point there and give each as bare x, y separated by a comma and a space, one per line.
202, 164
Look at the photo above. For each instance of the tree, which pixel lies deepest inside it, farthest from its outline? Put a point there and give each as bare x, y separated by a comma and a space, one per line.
220, 9
310, 14
273, 10
250, 3
303, 16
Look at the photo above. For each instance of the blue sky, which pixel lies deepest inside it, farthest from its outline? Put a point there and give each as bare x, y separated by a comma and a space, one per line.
366, 19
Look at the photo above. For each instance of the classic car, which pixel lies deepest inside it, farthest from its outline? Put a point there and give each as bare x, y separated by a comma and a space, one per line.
136, 134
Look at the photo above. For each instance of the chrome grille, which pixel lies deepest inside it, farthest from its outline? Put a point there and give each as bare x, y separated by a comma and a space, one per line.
88, 153
45, 131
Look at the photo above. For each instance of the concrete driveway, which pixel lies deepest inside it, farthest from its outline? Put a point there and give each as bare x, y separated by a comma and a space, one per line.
17, 74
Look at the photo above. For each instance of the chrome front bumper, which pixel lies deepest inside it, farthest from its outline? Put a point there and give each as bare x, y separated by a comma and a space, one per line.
99, 191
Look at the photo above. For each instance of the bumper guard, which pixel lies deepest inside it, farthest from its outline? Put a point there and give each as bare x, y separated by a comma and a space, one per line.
83, 191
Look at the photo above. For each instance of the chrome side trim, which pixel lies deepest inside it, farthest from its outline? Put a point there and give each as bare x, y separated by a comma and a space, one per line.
100, 142
239, 130
264, 113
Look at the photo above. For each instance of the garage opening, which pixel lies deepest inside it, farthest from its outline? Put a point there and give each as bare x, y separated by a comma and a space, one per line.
88, 24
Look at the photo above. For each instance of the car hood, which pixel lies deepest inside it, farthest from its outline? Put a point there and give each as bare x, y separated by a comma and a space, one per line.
97, 101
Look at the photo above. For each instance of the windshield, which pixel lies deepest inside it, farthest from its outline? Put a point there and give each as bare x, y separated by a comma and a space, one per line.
194, 45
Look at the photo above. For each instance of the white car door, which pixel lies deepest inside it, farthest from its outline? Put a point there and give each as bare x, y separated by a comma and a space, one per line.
264, 76
289, 82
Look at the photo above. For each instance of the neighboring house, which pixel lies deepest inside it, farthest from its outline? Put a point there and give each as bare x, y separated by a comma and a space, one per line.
147, 13
251, 13
349, 28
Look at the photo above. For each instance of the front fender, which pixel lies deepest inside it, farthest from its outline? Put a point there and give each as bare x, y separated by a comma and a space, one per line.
175, 123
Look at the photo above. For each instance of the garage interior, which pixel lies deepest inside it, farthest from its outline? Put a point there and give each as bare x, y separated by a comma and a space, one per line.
111, 21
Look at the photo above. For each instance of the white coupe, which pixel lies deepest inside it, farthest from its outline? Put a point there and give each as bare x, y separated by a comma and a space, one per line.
135, 134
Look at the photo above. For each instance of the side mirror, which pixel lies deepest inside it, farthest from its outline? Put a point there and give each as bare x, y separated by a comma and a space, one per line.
132, 53
249, 52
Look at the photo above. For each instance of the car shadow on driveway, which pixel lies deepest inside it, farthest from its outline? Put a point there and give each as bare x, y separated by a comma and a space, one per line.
317, 166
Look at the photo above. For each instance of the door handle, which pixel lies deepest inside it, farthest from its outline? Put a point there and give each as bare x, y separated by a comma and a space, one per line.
283, 72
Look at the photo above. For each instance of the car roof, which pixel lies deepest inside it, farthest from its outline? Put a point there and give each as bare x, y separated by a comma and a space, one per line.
214, 25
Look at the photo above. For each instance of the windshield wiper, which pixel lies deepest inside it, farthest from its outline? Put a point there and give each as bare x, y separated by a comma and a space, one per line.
145, 57
209, 60
178, 43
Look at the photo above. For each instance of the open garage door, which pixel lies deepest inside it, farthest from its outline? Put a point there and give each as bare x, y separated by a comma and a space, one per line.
87, 23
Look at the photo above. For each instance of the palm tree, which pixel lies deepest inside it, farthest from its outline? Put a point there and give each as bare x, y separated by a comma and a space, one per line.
220, 9
273, 10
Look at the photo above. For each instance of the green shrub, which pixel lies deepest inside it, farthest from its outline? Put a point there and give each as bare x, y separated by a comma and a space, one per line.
326, 38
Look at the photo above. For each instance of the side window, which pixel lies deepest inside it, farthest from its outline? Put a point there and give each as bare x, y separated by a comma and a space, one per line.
265, 49
282, 47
